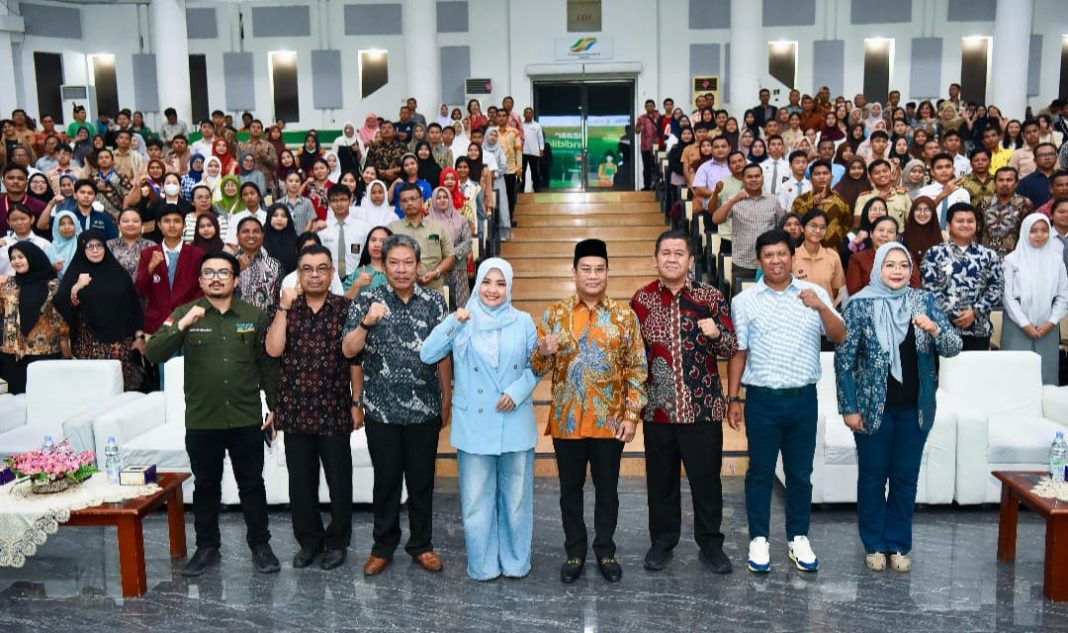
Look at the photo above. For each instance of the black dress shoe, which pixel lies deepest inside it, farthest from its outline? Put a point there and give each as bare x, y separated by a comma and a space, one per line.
657, 560
717, 561
264, 559
305, 557
571, 570
610, 569
203, 558
332, 558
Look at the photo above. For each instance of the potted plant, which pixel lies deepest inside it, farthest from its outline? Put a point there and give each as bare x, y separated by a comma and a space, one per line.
54, 469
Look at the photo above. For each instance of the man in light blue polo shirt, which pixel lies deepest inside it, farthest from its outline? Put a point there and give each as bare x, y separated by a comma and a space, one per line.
778, 323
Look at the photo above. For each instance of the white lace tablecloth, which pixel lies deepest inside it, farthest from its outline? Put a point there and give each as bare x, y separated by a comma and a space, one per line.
26, 519
1048, 489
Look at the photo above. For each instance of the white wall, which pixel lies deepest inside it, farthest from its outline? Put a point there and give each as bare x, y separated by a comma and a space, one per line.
508, 36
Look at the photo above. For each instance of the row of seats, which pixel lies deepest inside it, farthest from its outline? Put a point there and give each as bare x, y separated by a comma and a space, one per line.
993, 413
83, 401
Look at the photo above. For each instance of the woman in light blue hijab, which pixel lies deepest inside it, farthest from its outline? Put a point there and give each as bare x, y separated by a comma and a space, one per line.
886, 371
493, 426
65, 231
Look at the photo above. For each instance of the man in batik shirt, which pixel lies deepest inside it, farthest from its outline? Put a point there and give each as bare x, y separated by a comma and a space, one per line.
593, 347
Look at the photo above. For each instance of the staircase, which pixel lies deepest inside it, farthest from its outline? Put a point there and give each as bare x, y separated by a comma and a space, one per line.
541, 250
550, 224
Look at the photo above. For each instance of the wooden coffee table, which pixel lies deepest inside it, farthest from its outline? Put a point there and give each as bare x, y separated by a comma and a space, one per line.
1016, 489
128, 516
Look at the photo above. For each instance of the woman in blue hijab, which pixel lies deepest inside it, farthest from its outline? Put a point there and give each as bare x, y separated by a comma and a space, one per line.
493, 426
887, 376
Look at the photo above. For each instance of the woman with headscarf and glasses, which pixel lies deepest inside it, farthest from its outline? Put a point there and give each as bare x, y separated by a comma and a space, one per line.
98, 300
887, 376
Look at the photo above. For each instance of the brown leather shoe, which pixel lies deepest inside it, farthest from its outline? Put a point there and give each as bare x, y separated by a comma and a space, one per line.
374, 565
429, 561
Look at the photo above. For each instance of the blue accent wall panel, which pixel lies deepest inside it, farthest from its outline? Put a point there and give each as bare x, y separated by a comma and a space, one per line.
201, 23
704, 59
455, 69
789, 12
925, 75
828, 65
240, 81
972, 10
326, 80
52, 21
373, 19
880, 11
284, 21
710, 14
452, 17
146, 88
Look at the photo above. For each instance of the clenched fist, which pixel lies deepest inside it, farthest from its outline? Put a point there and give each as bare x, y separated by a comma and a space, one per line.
462, 315
708, 328
195, 314
375, 313
549, 345
288, 296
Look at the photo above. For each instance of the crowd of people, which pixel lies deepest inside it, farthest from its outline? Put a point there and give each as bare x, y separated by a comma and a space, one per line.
887, 234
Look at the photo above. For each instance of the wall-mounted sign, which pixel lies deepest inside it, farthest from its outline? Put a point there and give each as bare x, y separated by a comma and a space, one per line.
582, 47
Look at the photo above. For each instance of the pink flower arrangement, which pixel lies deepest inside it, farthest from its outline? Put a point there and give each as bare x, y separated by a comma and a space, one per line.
61, 462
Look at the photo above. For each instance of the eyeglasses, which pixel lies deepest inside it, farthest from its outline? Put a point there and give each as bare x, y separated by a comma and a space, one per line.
817, 227
221, 274
903, 267
318, 270
1046, 155
94, 246
593, 271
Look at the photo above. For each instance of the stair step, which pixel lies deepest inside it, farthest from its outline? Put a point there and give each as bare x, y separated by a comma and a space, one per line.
605, 219
570, 208
555, 288
598, 196
561, 266
579, 233
544, 249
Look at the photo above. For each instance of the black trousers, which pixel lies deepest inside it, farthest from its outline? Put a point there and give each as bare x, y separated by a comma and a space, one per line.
403, 453
534, 162
602, 456
648, 168
700, 448
509, 188
14, 371
975, 343
304, 453
207, 448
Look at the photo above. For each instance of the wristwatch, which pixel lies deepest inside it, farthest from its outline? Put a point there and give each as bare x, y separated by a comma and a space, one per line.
734, 399
357, 402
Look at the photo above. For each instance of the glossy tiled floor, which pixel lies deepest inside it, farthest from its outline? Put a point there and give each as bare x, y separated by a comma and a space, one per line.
956, 585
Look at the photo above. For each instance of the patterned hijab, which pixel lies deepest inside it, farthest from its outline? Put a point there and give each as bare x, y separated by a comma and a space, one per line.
890, 311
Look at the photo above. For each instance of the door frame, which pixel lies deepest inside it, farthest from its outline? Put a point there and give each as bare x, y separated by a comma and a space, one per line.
581, 82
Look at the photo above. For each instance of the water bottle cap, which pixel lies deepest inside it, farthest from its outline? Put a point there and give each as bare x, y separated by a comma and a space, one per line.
111, 439
1060, 435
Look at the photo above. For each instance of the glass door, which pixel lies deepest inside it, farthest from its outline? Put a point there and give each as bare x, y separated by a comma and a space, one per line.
588, 127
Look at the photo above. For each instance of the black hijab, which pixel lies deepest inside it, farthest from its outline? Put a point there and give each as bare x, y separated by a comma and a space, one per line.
307, 159
206, 245
429, 170
109, 306
33, 284
476, 165
281, 244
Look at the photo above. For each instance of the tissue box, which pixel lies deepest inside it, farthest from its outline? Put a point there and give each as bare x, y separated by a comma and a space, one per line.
6, 475
137, 475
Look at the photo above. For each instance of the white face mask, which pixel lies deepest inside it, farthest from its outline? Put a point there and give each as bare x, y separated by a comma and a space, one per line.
171, 189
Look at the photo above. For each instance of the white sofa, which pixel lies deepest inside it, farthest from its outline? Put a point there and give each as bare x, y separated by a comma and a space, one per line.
1006, 418
62, 398
152, 431
834, 464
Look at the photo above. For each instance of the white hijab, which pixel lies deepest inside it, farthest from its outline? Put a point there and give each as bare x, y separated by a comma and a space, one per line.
1038, 269
377, 214
344, 140
335, 172
460, 142
211, 180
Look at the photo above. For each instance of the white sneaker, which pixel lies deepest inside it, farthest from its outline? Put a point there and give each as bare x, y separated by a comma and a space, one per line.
801, 553
759, 556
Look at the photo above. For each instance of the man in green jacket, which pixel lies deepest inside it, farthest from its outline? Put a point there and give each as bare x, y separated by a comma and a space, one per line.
226, 366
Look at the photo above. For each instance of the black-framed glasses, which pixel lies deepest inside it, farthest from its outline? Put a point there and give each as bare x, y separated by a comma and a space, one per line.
211, 273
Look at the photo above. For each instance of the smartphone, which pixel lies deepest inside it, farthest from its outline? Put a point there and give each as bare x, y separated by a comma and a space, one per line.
267, 433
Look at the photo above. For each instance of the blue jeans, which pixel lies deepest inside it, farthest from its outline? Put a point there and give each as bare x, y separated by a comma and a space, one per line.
893, 453
497, 496
773, 424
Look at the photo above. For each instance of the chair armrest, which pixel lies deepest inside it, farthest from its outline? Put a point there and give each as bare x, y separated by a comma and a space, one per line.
1055, 404
12, 413
128, 421
972, 468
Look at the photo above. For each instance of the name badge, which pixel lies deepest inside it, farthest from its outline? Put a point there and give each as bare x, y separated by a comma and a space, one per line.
355, 248
432, 237
246, 328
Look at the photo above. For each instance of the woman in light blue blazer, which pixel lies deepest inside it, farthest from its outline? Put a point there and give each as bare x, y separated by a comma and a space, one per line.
493, 426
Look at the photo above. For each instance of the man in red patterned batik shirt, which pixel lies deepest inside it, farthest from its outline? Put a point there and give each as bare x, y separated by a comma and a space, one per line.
686, 327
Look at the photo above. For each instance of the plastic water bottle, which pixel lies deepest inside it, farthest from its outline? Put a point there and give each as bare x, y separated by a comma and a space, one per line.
113, 460
1058, 454
48, 445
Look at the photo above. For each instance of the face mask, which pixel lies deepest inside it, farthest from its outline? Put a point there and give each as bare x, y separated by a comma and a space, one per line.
171, 189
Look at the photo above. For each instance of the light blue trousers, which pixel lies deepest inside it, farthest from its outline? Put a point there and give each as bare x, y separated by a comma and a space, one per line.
497, 495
